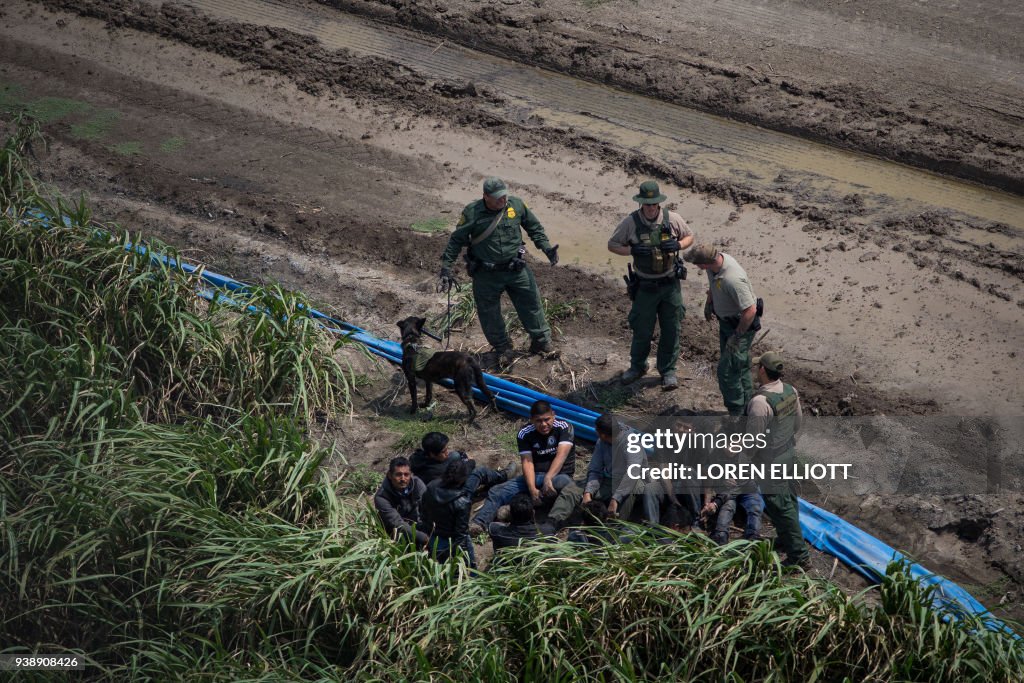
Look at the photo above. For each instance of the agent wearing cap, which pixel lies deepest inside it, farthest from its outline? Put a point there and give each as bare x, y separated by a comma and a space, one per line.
732, 300
775, 412
653, 237
490, 229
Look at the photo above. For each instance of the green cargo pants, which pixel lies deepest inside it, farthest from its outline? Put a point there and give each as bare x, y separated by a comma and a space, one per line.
662, 305
734, 380
522, 290
783, 509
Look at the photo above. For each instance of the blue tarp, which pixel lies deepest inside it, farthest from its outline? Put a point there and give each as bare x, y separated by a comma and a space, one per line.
822, 529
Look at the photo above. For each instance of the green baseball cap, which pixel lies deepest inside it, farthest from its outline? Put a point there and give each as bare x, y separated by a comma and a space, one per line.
702, 255
649, 193
770, 360
495, 187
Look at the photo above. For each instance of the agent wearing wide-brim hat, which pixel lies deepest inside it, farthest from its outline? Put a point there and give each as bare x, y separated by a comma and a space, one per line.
654, 237
731, 299
775, 412
490, 229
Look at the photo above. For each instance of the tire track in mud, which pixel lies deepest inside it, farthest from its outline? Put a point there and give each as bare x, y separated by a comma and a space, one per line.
686, 140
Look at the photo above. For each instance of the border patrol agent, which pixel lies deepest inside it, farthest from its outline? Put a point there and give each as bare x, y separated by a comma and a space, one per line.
489, 229
653, 237
775, 411
731, 299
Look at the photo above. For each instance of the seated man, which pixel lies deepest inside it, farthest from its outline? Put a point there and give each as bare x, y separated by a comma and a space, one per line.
398, 503
607, 478
430, 460
547, 449
446, 511
522, 525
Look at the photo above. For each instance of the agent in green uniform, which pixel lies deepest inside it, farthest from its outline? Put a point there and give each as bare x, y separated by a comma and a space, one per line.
731, 299
653, 237
775, 412
490, 230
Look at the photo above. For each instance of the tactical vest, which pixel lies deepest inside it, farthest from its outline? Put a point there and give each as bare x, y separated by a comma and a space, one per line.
783, 426
420, 360
658, 262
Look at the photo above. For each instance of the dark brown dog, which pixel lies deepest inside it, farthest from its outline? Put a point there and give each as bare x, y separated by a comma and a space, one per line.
463, 370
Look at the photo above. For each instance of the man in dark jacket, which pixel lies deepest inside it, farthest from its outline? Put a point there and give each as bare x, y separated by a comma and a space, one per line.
522, 525
430, 460
446, 510
398, 503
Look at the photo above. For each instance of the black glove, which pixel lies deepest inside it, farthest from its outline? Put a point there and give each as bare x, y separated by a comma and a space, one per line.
446, 280
552, 254
709, 310
640, 250
669, 246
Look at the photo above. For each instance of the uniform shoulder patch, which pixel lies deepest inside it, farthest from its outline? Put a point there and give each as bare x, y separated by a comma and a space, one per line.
462, 220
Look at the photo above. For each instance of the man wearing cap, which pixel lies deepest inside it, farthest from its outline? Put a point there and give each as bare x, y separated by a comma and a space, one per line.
775, 412
731, 299
653, 237
489, 228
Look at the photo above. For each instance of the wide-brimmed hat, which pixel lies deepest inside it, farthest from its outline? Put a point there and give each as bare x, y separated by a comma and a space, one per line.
649, 193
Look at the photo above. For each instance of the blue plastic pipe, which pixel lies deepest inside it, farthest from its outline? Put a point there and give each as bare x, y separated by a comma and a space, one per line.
825, 531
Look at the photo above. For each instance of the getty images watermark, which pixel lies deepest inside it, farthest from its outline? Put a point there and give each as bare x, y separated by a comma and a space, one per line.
666, 440
855, 456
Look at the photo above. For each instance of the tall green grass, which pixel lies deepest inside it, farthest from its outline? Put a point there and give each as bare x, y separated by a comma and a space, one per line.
164, 513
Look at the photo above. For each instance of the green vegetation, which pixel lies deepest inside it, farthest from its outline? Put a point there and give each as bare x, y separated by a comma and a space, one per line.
430, 225
165, 515
413, 428
49, 109
612, 395
359, 479
11, 97
97, 126
172, 145
127, 149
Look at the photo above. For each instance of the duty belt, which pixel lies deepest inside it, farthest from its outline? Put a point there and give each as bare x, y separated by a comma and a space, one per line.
656, 283
503, 266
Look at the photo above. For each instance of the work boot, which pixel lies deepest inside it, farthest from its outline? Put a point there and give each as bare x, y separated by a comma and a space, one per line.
504, 514
633, 374
475, 529
669, 381
542, 348
505, 356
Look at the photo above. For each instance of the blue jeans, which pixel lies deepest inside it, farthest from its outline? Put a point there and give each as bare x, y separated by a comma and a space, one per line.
754, 507
443, 548
482, 476
503, 494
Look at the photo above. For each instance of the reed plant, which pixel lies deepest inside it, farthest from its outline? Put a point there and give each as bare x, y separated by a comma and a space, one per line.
165, 515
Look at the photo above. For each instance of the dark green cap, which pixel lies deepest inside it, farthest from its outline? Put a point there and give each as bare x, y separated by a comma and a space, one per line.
771, 360
649, 193
702, 255
495, 187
